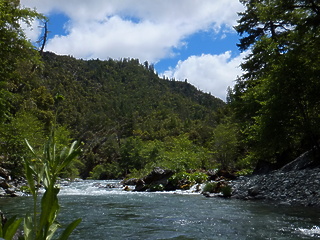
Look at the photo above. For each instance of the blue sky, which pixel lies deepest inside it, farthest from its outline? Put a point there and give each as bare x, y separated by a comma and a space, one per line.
184, 39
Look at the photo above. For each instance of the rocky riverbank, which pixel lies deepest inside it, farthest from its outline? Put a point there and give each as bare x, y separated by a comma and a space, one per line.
297, 183
296, 187
289, 185
11, 187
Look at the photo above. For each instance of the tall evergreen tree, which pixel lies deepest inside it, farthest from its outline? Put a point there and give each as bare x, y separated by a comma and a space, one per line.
277, 99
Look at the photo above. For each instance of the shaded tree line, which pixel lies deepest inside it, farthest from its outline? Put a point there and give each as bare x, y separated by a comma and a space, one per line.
276, 101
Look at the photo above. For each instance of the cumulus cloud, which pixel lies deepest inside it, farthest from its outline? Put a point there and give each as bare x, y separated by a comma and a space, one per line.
150, 30
116, 38
144, 29
33, 30
210, 73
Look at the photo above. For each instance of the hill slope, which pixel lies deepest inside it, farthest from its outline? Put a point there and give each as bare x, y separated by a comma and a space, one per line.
119, 109
106, 102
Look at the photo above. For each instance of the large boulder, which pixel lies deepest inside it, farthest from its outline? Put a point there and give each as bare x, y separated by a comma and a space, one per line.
140, 186
130, 181
304, 161
157, 180
158, 175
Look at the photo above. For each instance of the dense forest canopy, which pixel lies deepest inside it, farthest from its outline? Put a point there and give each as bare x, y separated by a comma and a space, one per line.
118, 108
130, 120
277, 101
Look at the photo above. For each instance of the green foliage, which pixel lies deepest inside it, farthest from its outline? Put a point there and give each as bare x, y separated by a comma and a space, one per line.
16, 53
125, 113
185, 180
210, 187
226, 191
45, 169
22, 114
181, 176
23, 126
276, 101
128, 117
9, 229
97, 172
182, 154
175, 153
224, 144
218, 187
156, 187
134, 173
106, 171
199, 177
244, 171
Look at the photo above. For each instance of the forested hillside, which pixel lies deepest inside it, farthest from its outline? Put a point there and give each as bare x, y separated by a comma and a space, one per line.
118, 107
130, 120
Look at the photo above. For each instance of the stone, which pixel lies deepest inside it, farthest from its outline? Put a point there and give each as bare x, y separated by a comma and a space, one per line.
158, 175
4, 184
10, 190
157, 180
140, 186
131, 181
226, 174
5, 173
126, 188
301, 162
293, 187
2, 192
254, 191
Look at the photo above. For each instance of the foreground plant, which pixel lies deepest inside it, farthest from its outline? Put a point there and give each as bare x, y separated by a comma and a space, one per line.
9, 228
45, 170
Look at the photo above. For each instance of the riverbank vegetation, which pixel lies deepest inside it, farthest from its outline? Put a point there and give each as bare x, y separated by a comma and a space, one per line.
130, 120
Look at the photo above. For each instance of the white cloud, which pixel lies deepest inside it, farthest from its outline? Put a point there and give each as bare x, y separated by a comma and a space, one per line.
116, 38
144, 29
33, 31
149, 30
210, 73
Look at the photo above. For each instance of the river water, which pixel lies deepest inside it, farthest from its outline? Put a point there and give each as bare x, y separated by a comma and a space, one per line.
111, 213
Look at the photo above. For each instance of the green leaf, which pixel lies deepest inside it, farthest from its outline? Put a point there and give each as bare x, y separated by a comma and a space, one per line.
30, 147
1, 232
52, 229
29, 175
72, 154
11, 227
66, 233
28, 227
49, 206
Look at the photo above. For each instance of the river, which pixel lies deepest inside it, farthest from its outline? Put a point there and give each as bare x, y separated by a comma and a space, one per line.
111, 213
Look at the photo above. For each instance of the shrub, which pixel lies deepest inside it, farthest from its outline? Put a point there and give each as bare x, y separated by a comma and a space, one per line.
210, 187
97, 172
199, 177
226, 191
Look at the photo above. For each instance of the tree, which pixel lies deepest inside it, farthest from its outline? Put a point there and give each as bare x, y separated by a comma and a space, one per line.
277, 98
23, 126
15, 50
225, 144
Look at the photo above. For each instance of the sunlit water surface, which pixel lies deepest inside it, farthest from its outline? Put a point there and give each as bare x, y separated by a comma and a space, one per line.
111, 213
